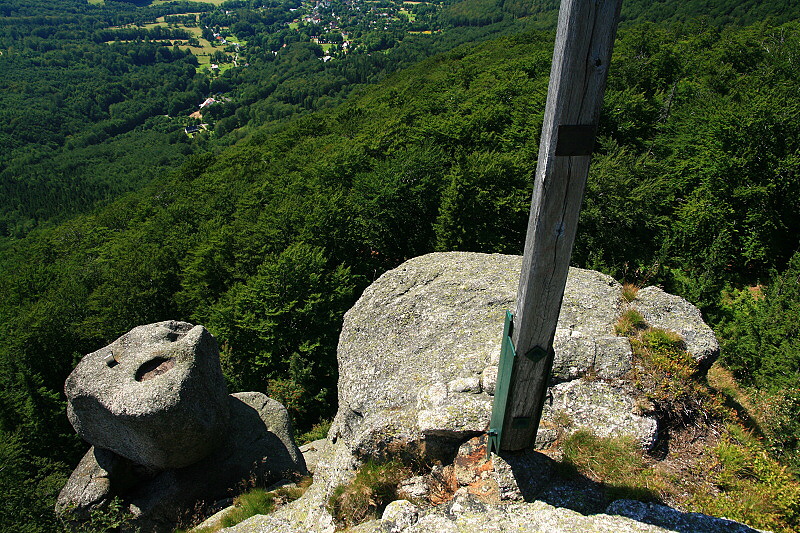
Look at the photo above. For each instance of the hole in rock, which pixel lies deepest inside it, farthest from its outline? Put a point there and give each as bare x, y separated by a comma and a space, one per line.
154, 367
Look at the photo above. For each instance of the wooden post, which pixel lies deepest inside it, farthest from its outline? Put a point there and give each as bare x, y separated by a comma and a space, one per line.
585, 36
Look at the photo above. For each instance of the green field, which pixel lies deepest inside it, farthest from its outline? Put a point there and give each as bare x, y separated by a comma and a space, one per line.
411, 16
214, 2
206, 49
205, 65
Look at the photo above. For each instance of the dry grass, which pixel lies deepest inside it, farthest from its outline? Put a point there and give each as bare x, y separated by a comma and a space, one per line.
629, 291
365, 498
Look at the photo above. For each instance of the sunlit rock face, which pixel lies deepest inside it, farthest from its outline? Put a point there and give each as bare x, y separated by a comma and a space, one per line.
419, 351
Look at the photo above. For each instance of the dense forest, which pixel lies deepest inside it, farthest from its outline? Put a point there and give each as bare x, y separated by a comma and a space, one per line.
93, 104
317, 176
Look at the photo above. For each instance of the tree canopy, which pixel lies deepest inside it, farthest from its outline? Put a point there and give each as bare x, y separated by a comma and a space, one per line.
310, 184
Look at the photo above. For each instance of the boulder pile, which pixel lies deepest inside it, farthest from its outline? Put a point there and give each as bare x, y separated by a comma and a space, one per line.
165, 434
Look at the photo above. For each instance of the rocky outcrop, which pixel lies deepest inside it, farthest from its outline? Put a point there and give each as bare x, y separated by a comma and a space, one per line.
155, 396
417, 372
418, 355
671, 312
159, 374
466, 513
418, 352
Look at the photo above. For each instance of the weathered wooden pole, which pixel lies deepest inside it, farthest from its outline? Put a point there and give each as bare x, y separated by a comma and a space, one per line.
585, 37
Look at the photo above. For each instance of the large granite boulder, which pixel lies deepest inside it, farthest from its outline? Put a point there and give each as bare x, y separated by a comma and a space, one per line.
166, 436
418, 355
417, 371
257, 449
156, 396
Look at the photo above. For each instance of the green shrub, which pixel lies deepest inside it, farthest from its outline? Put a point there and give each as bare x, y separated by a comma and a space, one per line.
317, 431
663, 341
749, 486
113, 517
665, 351
761, 345
668, 376
365, 498
783, 430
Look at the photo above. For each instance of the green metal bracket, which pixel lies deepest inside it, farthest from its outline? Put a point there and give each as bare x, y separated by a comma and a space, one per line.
504, 370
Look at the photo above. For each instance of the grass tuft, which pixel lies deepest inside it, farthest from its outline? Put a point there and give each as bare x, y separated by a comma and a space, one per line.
255, 501
365, 498
251, 503
617, 462
629, 323
629, 291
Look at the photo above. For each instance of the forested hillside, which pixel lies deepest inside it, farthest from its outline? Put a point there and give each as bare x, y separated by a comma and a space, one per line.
719, 12
94, 103
269, 241
73, 109
544, 13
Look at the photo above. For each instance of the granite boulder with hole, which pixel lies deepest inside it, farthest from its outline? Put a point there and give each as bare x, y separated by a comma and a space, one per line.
155, 396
